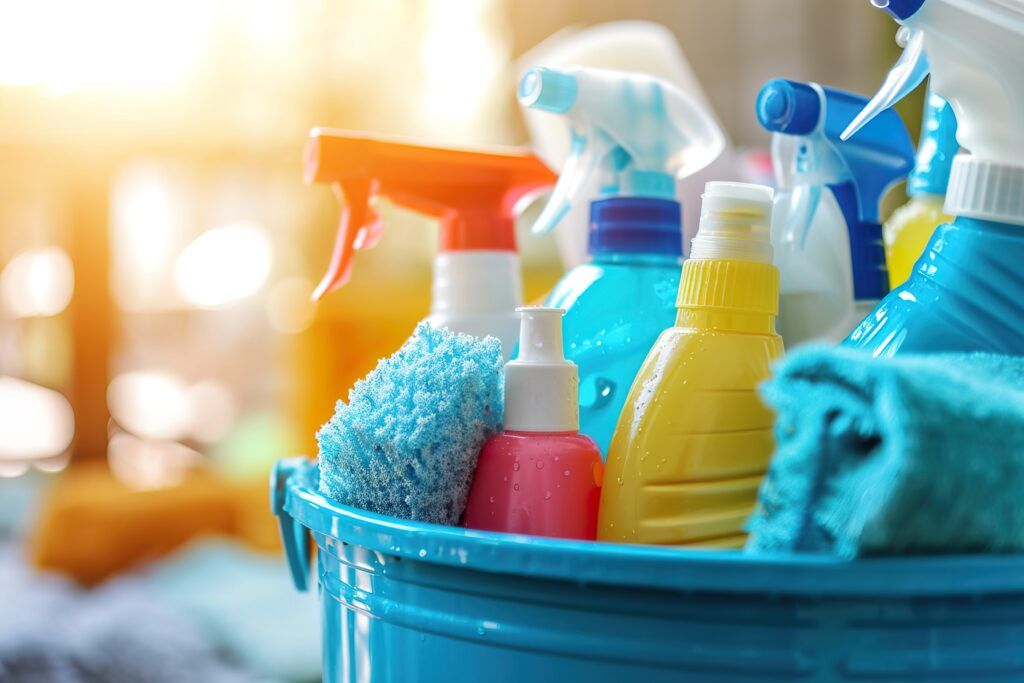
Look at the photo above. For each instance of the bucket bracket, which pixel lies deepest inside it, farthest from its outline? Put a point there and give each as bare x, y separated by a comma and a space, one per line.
294, 536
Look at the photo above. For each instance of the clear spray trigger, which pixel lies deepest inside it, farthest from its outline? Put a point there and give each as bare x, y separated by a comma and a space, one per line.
908, 73
803, 166
573, 181
637, 132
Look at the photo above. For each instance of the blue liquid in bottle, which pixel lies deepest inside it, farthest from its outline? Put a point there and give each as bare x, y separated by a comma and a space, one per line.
619, 303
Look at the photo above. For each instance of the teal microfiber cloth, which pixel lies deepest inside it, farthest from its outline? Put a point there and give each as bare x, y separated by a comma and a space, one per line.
407, 441
913, 454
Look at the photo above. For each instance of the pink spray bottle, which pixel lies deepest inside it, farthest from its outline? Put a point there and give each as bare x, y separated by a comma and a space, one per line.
540, 476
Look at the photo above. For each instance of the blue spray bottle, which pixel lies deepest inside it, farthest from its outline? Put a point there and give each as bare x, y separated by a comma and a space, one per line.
825, 230
632, 135
966, 292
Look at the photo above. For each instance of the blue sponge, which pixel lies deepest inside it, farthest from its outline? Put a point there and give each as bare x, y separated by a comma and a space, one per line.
407, 441
911, 454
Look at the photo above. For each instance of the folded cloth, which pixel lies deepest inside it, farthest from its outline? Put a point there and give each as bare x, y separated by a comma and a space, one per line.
911, 454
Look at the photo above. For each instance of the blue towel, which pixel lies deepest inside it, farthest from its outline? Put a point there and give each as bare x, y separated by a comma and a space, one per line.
912, 454
407, 441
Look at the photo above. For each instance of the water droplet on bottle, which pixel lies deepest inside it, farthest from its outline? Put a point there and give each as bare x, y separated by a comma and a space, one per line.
492, 499
540, 464
515, 466
423, 552
515, 487
547, 495
567, 473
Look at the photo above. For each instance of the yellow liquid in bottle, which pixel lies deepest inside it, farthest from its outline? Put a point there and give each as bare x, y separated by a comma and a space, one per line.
907, 232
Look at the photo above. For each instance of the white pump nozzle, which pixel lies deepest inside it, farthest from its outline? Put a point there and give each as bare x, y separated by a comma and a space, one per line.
640, 132
541, 387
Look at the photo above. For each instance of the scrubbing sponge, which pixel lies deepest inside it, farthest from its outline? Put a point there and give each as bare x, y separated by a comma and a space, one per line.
911, 454
407, 441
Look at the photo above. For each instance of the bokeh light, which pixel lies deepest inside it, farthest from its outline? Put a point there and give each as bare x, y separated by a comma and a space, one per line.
150, 404
224, 265
37, 283
35, 423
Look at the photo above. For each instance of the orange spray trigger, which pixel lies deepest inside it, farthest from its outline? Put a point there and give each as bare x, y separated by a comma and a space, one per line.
360, 227
472, 191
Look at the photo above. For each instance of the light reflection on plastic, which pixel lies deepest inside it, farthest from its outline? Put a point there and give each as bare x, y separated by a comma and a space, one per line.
224, 265
35, 423
37, 283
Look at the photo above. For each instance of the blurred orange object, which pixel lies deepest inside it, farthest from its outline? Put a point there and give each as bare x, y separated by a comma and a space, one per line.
91, 526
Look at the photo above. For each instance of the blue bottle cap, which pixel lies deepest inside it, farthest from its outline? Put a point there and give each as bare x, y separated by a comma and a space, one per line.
788, 107
936, 149
900, 9
636, 225
548, 90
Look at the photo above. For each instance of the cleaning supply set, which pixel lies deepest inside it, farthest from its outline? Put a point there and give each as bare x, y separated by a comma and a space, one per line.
540, 476
456, 499
827, 234
473, 193
632, 136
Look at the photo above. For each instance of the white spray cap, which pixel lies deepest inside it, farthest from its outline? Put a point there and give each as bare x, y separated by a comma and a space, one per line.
641, 132
735, 223
642, 46
973, 51
541, 386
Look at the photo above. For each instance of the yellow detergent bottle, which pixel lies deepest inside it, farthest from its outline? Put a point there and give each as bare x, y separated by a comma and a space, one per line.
908, 230
694, 438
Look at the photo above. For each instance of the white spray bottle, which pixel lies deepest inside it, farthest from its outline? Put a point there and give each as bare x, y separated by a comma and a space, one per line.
636, 46
826, 230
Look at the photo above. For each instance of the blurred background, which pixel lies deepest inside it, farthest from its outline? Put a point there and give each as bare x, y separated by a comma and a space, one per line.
158, 345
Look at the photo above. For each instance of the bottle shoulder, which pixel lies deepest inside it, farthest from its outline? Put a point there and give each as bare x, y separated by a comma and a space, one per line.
617, 286
517, 442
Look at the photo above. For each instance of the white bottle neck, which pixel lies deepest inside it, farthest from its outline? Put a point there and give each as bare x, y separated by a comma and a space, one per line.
477, 293
476, 282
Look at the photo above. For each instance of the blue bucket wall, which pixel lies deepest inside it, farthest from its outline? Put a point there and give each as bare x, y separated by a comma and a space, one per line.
403, 601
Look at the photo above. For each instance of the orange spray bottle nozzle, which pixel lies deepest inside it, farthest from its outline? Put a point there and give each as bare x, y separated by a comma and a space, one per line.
473, 192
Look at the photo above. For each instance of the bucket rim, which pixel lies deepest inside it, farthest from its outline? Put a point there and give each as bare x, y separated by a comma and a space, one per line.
642, 566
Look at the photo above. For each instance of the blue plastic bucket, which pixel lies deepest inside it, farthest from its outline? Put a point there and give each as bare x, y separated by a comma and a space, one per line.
405, 602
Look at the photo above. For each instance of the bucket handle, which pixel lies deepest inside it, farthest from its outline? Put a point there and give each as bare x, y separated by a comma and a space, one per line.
294, 536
